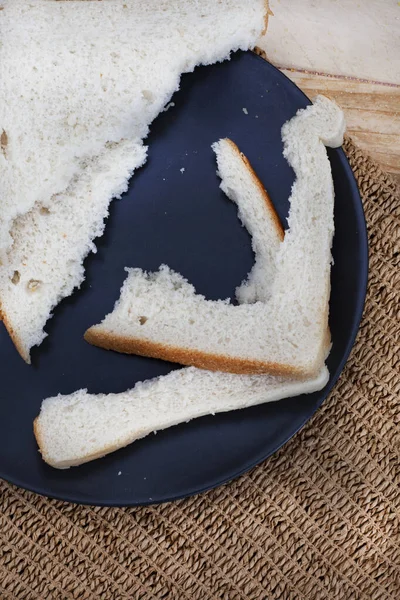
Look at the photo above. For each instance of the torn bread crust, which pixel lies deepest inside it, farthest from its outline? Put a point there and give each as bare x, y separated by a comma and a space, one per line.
268, 202
197, 358
268, 14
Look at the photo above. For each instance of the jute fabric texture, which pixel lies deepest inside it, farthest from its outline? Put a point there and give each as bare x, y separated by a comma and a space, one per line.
319, 519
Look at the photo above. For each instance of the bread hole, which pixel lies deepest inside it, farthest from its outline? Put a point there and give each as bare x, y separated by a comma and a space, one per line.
4, 143
142, 320
34, 285
16, 278
191, 321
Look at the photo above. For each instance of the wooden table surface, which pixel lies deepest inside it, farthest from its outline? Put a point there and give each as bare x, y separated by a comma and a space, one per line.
349, 51
372, 113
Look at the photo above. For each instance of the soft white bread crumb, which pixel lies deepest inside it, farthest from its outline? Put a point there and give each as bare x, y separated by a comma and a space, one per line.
77, 78
161, 315
75, 429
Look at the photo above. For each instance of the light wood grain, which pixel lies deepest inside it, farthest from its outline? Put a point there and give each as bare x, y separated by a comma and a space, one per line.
339, 37
372, 112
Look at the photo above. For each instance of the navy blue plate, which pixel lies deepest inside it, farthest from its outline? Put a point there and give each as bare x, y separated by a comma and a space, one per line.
181, 218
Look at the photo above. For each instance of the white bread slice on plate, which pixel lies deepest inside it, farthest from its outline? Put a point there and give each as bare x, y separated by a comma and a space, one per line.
160, 314
74, 429
78, 79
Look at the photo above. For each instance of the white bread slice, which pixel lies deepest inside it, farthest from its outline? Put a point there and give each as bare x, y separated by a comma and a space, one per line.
77, 78
160, 314
71, 430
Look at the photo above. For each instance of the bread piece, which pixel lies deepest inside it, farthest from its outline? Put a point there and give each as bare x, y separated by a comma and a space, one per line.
257, 213
71, 430
160, 315
76, 75
77, 79
50, 244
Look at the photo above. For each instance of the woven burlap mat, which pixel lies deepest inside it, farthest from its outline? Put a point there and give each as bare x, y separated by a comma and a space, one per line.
320, 519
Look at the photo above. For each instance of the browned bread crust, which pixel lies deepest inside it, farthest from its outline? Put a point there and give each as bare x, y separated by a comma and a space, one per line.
196, 358
258, 183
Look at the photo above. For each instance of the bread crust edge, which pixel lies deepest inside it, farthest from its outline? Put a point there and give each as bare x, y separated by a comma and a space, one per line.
14, 337
202, 360
66, 464
256, 180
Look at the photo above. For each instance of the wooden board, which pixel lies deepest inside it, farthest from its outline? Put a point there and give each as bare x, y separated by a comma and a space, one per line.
337, 37
372, 112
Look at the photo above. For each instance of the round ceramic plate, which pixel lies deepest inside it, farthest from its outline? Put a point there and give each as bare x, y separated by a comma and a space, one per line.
174, 213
